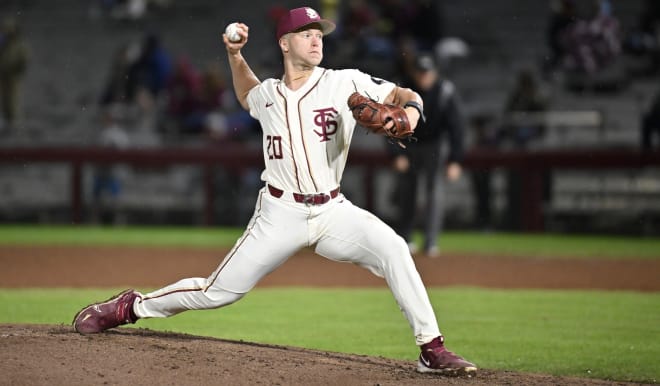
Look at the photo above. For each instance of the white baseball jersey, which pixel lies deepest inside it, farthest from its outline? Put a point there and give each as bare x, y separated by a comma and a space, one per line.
308, 132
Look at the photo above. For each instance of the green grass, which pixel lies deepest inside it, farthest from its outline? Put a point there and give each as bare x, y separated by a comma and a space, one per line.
127, 236
524, 245
605, 335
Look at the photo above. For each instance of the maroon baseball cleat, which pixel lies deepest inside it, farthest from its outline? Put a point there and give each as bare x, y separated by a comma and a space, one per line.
435, 358
113, 312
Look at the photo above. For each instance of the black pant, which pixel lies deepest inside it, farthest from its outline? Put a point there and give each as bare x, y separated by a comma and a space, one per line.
426, 166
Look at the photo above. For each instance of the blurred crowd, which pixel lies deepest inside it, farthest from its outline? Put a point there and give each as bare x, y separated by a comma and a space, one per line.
175, 94
147, 84
151, 85
153, 96
588, 42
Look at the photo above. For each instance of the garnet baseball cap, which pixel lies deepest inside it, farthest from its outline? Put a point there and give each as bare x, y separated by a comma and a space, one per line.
298, 18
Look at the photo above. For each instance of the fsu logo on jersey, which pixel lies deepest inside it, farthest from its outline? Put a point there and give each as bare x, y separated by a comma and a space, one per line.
325, 120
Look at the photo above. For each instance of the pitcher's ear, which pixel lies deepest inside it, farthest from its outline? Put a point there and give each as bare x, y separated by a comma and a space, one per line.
284, 44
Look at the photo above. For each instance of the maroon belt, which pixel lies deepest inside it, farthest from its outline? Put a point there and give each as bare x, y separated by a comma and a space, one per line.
309, 199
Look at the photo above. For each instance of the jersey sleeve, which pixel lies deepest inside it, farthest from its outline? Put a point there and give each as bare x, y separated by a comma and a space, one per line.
254, 97
375, 88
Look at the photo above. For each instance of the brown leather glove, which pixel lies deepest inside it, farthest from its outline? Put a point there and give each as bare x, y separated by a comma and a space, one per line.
375, 116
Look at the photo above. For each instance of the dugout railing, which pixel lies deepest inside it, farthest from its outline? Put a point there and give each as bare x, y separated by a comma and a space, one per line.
532, 166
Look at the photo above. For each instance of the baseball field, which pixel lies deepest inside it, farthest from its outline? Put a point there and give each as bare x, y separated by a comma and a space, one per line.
527, 309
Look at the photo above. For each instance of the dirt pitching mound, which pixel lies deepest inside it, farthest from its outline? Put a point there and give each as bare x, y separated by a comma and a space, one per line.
57, 355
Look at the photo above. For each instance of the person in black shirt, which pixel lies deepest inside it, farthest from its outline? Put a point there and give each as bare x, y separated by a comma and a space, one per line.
423, 158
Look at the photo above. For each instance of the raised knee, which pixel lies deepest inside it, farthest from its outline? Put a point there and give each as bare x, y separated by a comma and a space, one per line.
400, 246
396, 249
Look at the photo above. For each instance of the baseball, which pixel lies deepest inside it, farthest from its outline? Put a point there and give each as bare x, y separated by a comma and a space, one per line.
232, 33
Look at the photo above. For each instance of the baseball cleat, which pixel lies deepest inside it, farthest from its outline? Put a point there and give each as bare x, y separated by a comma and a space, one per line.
432, 252
113, 312
435, 358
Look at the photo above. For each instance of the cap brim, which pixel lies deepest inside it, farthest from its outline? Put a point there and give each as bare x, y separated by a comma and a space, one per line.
326, 26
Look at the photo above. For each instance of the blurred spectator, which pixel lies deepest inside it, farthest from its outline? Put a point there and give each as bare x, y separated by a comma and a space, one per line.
151, 71
14, 59
366, 31
219, 105
107, 178
117, 89
522, 126
134, 88
146, 82
563, 15
214, 88
423, 160
184, 106
593, 49
643, 41
197, 103
525, 99
422, 20
357, 17
593, 43
651, 126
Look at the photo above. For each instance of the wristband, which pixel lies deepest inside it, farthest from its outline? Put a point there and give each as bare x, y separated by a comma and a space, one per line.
418, 107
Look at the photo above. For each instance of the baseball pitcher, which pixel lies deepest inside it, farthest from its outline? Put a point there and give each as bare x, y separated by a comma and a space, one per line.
308, 117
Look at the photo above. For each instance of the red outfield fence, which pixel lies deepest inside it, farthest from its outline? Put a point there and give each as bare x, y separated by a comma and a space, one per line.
532, 166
